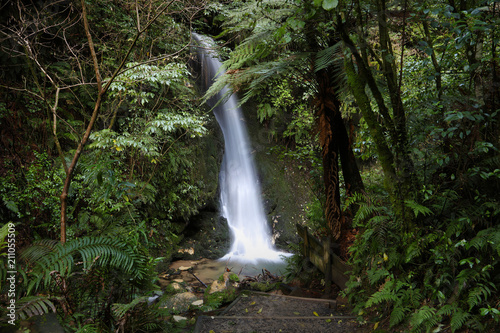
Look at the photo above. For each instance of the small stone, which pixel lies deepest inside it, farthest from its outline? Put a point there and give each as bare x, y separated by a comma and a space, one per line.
176, 286
179, 318
217, 286
198, 302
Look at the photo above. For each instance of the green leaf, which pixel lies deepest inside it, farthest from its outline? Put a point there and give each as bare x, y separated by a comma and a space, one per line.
330, 4
11, 205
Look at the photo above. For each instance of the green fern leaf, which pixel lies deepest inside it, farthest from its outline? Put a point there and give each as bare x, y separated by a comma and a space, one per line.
397, 315
34, 306
386, 294
121, 309
417, 208
424, 319
91, 251
458, 319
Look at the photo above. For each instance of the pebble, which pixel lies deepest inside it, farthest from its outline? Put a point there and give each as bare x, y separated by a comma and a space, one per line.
179, 318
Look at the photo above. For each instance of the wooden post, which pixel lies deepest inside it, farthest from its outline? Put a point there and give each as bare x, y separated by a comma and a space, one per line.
328, 265
306, 244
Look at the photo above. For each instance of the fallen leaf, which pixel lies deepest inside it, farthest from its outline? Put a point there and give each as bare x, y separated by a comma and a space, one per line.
296, 313
252, 303
328, 320
375, 326
260, 310
246, 310
315, 313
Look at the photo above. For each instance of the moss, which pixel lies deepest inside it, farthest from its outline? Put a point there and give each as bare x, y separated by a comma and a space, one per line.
218, 298
234, 278
263, 286
174, 288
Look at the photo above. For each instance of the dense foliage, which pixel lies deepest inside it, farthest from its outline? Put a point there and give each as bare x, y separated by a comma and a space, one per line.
420, 82
112, 122
97, 109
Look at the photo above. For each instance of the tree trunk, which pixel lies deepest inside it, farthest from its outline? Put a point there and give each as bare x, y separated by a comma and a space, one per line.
335, 143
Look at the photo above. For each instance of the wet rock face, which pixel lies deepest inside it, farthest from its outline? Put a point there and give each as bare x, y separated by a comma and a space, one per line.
285, 190
206, 236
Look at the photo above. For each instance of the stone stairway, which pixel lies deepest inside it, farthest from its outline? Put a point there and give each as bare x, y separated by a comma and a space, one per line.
262, 312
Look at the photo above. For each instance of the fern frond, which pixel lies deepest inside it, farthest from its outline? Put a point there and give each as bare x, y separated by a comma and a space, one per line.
480, 294
376, 274
328, 57
121, 309
29, 306
413, 251
4, 231
458, 319
364, 212
92, 251
38, 249
397, 315
386, 294
446, 310
418, 208
89, 328
424, 319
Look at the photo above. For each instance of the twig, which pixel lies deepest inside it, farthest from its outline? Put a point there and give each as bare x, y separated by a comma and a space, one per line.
190, 271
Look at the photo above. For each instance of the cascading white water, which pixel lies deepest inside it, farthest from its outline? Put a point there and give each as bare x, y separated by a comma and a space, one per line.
241, 202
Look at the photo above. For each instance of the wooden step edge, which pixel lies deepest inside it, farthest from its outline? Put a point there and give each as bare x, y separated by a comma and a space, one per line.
305, 299
280, 317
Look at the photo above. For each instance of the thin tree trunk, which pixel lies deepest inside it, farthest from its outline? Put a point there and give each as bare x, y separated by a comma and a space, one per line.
350, 170
101, 91
384, 152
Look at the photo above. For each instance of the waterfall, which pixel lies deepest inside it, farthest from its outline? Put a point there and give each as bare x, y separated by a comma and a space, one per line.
240, 193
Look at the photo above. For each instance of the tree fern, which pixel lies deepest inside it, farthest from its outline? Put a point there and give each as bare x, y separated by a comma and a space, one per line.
328, 57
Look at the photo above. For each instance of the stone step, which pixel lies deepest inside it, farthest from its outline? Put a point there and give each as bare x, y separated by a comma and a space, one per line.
224, 324
262, 312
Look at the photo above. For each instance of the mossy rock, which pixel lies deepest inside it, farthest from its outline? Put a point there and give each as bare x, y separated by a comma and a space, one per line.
221, 291
220, 297
263, 286
232, 278
174, 288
